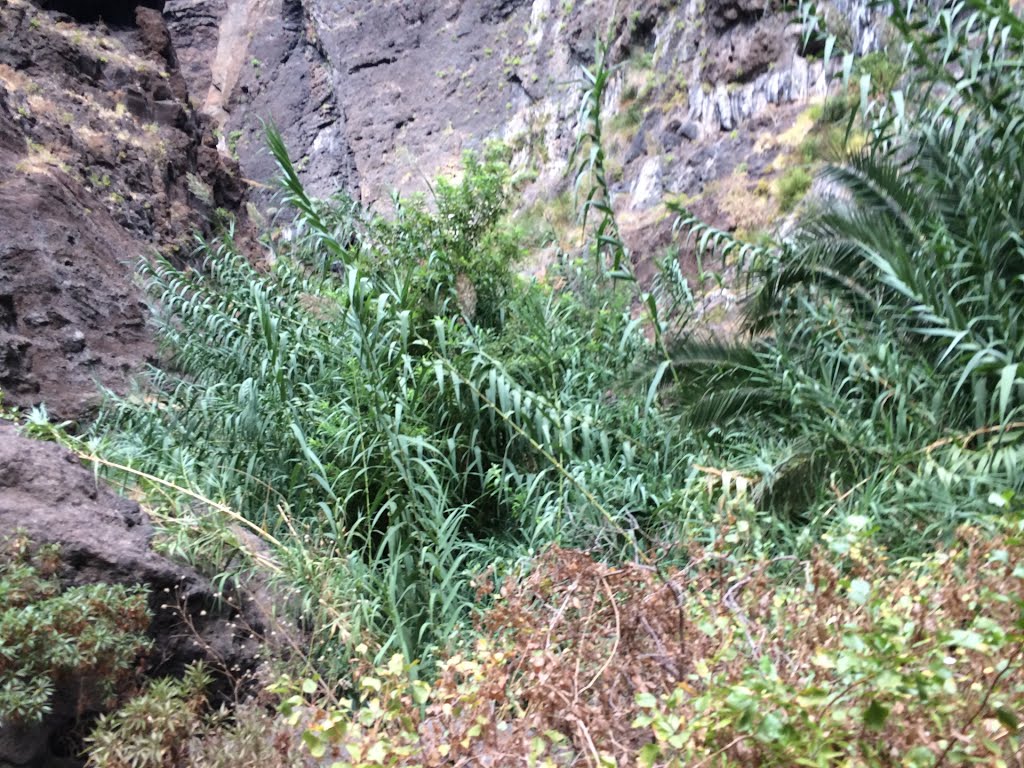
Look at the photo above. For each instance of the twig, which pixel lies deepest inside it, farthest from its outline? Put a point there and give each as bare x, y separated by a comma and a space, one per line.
981, 705
615, 644
730, 602
715, 754
579, 651
663, 655
588, 742
967, 438
222, 508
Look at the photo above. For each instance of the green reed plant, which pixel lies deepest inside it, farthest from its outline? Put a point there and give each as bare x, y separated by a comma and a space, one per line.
390, 441
882, 372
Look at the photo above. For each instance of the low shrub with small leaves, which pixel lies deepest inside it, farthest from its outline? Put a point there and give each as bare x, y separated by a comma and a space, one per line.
90, 637
844, 658
172, 724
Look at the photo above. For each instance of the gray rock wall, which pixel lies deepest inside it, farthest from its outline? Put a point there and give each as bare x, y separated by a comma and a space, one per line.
382, 95
255, 61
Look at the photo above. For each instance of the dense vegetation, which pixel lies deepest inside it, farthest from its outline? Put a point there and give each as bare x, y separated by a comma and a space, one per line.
800, 543
50, 636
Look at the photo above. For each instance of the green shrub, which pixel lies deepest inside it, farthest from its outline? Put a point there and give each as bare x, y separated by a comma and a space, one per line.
459, 258
170, 723
883, 69
792, 187
728, 661
882, 372
48, 635
154, 728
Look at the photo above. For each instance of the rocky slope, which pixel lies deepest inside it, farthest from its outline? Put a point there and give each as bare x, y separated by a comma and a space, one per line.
380, 95
47, 496
102, 160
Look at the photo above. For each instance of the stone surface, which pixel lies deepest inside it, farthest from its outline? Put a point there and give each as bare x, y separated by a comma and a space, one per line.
385, 95
647, 189
99, 162
48, 496
370, 97
252, 62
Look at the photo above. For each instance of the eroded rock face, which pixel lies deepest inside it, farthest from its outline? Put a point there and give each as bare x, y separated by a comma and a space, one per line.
384, 95
102, 160
48, 496
250, 62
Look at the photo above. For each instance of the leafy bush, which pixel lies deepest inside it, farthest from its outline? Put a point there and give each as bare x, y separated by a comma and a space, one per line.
882, 376
91, 635
461, 255
171, 724
726, 661
793, 185
883, 70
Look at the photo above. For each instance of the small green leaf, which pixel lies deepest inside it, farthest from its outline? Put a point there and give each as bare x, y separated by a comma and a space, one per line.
377, 753
648, 755
860, 591
1008, 718
370, 682
646, 700
968, 639
420, 692
770, 729
875, 715
315, 744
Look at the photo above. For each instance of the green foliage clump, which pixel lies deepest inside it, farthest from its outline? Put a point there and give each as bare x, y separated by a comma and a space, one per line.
93, 633
346, 404
171, 723
152, 730
882, 374
793, 185
883, 70
925, 670
460, 255
859, 662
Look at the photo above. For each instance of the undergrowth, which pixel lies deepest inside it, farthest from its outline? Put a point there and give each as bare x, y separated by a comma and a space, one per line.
862, 662
558, 524
80, 643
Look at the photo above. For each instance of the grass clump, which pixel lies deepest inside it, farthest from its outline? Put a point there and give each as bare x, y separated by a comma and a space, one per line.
792, 186
372, 405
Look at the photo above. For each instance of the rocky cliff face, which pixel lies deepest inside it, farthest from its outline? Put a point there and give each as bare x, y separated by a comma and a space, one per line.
102, 160
122, 124
704, 107
250, 61
379, 95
